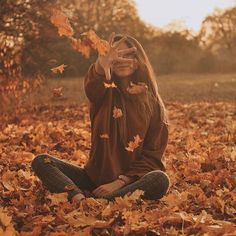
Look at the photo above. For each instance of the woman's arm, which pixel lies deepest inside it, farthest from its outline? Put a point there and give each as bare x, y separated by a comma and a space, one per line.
154, 146
94, 83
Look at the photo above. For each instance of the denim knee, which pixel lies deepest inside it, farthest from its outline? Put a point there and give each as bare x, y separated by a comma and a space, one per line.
38, 161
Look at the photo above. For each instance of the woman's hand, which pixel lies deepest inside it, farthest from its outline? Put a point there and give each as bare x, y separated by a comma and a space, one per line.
113, 55
108, 188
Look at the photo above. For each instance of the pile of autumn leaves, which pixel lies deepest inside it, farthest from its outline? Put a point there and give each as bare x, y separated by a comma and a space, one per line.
200, 162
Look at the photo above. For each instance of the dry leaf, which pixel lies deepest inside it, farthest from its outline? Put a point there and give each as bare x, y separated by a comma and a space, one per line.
81, 47
112, 85
141, 87
57, 92
117, 112
105, 136
60, 68
102, 46
60, 20
134, 144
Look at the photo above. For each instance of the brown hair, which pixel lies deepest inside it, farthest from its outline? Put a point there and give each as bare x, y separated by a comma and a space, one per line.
144, 73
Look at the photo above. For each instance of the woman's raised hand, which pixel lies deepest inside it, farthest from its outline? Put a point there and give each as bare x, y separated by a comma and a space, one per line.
113, 55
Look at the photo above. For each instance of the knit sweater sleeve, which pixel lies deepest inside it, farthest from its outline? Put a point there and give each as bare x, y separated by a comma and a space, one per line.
154, 146
94, 85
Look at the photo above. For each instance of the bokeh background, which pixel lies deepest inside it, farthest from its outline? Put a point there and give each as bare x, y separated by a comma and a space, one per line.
193, 57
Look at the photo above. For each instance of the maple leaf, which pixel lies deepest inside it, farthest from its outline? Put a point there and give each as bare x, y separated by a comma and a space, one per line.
107, 85
81, 47
57, 198
60, 20
117, 112
105, 136
102, 46
134, 144
57, 92
60, 68
141, 87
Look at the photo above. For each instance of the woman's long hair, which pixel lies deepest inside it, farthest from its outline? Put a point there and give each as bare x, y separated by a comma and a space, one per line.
144, 73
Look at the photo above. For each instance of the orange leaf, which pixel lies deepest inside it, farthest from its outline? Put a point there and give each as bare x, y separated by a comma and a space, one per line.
102, 46
112, 85
81, 47
134, 144
141, 87
59, 68
57, 92
62, 23
117, 112
105, 136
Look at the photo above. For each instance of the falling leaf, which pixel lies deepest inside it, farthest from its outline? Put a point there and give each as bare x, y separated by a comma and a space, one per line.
57, 92
81, 47
60, 68
102, 46
60, 20
117, 112
105, 136
134, 144
141, 87
112, 85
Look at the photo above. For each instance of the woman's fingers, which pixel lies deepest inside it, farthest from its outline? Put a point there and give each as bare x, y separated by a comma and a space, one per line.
122, 59
111, 38
119, 42
126, 51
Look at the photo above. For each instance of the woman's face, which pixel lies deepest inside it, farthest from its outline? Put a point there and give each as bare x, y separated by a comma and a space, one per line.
124, 69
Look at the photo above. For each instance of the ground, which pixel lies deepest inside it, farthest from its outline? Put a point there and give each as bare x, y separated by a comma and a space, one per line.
200, 160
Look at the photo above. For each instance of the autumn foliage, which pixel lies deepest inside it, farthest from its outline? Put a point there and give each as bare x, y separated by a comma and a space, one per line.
200, 161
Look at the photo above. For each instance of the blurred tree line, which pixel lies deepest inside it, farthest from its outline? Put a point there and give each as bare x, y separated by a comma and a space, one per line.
30, 44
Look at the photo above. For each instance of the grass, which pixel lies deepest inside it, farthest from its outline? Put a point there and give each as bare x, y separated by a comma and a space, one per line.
185, 88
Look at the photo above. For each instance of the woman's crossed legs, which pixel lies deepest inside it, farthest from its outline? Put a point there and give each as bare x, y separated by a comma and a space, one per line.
59, 176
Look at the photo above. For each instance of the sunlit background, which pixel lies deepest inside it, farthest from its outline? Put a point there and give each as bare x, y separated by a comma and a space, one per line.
189, 13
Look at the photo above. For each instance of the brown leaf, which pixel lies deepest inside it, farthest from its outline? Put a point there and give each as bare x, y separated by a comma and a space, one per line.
137, 88
60, 68
81, 47
105, 136
57, 92
117, 112
107, 85
134, 144
102, 46
60, 20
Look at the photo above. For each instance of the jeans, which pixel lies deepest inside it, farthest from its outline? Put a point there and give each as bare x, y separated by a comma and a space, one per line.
59, 176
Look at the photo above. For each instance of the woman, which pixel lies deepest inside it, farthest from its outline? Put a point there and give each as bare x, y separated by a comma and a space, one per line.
129, 131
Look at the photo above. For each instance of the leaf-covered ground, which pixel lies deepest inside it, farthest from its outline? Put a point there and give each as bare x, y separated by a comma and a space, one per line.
200, 161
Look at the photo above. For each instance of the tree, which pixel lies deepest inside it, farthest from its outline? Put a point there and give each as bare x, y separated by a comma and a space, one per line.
218, 31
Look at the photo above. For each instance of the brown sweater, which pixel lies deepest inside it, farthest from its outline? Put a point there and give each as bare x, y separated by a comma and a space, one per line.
109, 156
